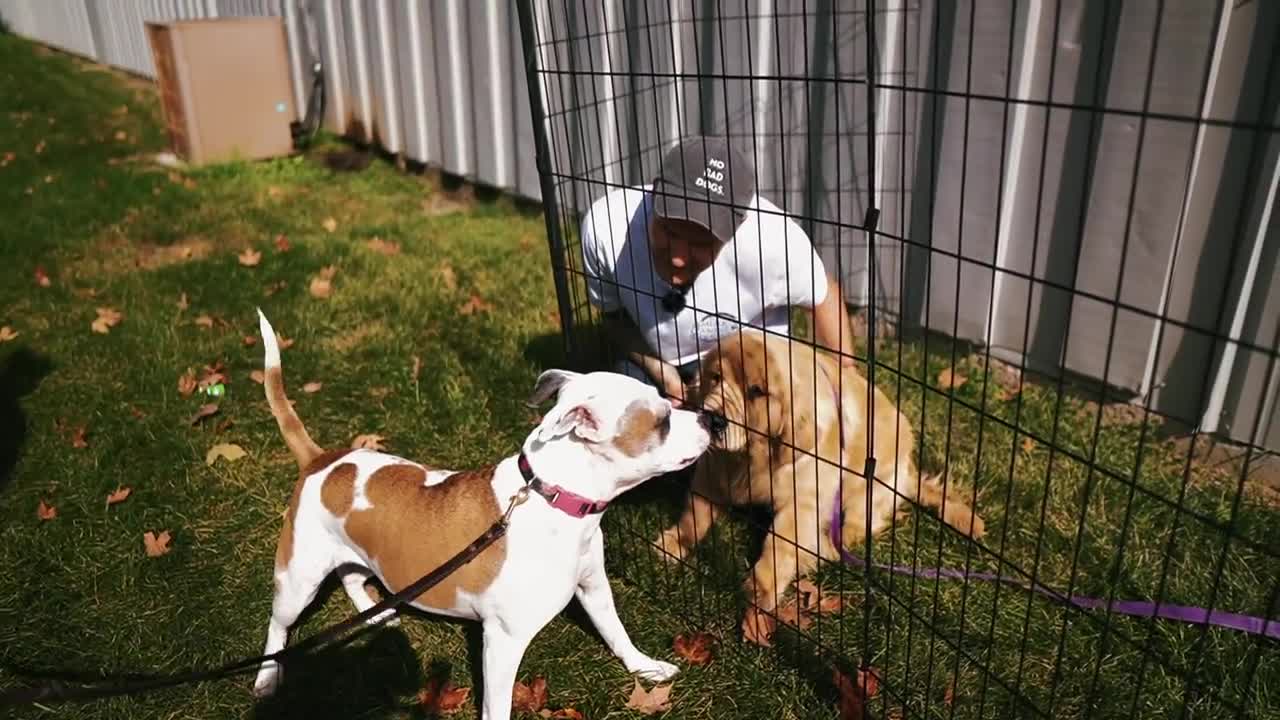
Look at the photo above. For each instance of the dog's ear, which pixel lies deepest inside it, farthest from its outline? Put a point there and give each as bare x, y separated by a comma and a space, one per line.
548, 384
579, 419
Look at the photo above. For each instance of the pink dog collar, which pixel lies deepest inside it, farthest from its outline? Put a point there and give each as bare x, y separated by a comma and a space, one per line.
559, 498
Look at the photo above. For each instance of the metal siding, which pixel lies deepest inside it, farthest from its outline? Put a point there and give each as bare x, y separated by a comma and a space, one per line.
1015, 185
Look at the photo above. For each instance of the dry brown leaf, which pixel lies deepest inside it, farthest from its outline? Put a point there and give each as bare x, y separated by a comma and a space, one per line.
45, 511
40, 146
227, 451
322, 284
107, 319
949, 378
417, 366
790, 614
368, 442
650, 702
385, 247
561, 714
1028, 444
122, 110
529, 698
121, 135
7, 333
474, 305
182, 302
758, 627
205, 411
249, 257
77, 438
120, 495
282, 243
832, 603
212, 375
856, 692
137, 413
204, 321
330, 224
187, 183
42, 277
275, 287
949, 695
249, 340
274, 191
156, 545
441, 697
7, 158
447, 276
187, 383
695, 649
258, 376
312, 387
380, 391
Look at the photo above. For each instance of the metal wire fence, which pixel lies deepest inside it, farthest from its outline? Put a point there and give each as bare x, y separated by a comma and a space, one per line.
1053, 221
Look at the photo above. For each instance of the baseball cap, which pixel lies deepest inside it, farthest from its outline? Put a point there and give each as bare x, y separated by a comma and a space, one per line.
704, 181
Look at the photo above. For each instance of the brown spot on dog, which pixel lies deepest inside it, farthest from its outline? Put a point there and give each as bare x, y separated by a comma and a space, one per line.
338, 489
284, 548
412, 529
638, 429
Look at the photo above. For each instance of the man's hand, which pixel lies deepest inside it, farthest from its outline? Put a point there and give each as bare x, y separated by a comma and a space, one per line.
664, 374
831, 327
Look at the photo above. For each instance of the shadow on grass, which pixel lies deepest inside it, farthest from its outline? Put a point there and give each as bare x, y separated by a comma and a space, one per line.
20, 375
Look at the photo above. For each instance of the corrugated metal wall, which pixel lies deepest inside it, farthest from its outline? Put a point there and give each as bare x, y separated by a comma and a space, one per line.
1095, 182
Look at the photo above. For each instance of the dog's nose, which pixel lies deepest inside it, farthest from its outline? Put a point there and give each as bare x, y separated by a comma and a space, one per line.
713, 422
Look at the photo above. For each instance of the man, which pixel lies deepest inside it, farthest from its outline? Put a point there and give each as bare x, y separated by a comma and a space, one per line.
695, 256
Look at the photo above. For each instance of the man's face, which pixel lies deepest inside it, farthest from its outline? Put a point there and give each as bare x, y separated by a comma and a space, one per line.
681, 249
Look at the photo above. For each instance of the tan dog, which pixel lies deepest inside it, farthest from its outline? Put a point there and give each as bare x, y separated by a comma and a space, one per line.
779, 448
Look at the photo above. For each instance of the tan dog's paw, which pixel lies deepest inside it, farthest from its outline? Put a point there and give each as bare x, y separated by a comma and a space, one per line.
758, 627
668, 546
979, 528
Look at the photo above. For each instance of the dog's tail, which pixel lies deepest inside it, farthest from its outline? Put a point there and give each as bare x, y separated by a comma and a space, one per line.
300, 443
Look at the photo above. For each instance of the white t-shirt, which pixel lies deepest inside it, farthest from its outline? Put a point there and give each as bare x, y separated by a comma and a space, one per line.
769, 266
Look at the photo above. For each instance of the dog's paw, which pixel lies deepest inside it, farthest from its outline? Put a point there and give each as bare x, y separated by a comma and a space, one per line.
668, 547
655, 671
267, 682
979, 528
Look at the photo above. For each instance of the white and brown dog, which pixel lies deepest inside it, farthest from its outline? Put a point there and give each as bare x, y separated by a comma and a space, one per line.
364, 513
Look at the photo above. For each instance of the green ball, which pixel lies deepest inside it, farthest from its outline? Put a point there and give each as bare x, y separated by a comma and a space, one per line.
217, 390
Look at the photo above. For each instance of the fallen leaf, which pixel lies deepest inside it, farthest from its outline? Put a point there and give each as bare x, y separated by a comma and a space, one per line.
474, 305
107, 319
758, 627
1028, 444
224, 425
832, 603
695, 649
7, 333
204, 412
855, 693
182, 302
249, 257
440, 697
48, 179
187, 383
46, 512
275, 287
227, 451
948, 379
121, 135
156, 545
949, 695
322, 284
212, 375
8, 158
561, 714
330, 224
250, 340
187, 183
790, 614
380, 391
40, 147
282, 243
284, 342
531, 697
417, 366
447, 276
274, 191
120, 495
368, 442
384, 247
122, 110
258, 376
136, 412
650, 702
77, 438
312, 387
203, 321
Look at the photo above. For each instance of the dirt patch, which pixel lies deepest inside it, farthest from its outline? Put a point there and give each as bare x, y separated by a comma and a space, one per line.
356, 337
118, 254
1220, 462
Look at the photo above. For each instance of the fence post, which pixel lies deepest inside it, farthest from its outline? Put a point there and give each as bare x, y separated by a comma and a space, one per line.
542, 153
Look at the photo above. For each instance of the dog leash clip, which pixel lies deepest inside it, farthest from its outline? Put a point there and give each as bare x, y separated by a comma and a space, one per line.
516, 500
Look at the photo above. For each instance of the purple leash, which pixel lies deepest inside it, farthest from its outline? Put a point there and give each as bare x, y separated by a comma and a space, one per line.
1185, 613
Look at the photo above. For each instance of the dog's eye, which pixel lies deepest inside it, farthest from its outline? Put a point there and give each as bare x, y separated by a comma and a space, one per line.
713, 377
755, 391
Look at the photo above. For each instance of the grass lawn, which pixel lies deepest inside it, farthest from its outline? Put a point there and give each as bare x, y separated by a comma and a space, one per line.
440, 314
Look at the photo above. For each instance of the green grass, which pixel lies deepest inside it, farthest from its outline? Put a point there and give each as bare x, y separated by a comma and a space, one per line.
113, 230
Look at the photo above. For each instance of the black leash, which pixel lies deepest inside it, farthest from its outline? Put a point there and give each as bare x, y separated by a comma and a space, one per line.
52, 691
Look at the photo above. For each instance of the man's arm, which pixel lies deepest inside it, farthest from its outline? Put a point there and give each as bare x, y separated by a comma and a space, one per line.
831, 320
